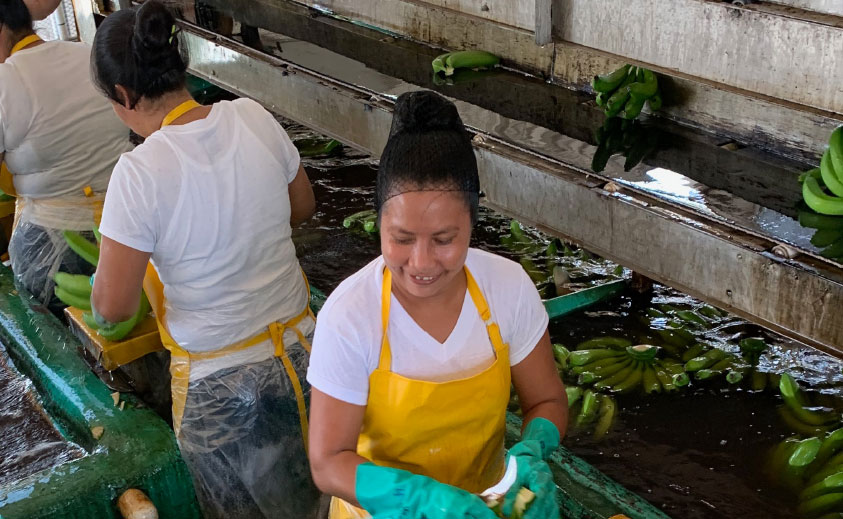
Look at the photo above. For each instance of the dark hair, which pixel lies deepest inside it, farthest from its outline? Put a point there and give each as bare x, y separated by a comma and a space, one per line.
15, 15
138, 49
428, 149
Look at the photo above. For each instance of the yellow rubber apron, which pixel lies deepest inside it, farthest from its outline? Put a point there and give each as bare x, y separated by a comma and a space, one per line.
180, 359
450, 431
7, 183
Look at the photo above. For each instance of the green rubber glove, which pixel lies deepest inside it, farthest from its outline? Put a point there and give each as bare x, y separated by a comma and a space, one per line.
388, 493
117, 331
539, 441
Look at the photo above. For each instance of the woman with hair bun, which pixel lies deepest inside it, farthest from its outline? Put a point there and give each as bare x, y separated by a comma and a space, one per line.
414, 354
210, 198
59, 141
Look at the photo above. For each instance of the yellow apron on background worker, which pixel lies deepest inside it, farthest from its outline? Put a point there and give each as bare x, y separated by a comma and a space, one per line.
180, 358
450, 431
235, 427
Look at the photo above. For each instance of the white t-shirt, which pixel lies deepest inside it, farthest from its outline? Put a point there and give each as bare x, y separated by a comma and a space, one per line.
209, 199
347, 342
58, 132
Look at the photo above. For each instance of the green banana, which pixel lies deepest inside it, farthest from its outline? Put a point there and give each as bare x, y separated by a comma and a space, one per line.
601, 373
469, 59
82, 247
665, 379
643, 352
617, 377
830, 445
589, 407
694, 351
581, 357
356, 217
599, 366
705, 360
573, 393
537, 275
795, 401
691, 317
710, 311
601, 155
733, 377
650, 381
439, 63
604, 342
808, 218
76, 284
835, 149
832, 483
647, 88
835, 250
831, 177
825, 237
609, 82
586, 377
97, 234
70, 299
815, 172
617, 101
631, 381
605, 416
561, 353
370, 223
655, 102
820, 504
633, 106
820, 202
759, 380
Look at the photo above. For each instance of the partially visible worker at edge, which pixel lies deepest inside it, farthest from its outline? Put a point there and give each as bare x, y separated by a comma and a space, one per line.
414, 354
210, 198
59, 140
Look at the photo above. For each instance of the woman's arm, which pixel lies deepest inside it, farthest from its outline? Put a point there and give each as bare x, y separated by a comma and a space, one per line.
540, 390
302, 201
334, 428
118, 281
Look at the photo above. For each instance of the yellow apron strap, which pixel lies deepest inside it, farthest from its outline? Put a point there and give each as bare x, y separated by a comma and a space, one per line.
276, 330
386, 299
32, 38
7, 180
492, 328
178, 111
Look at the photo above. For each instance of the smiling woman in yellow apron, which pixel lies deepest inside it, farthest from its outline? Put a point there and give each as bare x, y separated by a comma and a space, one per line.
59, 140
210, 198
414, 355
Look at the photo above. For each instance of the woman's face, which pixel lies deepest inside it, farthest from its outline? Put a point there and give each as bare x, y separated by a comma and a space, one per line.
424, 240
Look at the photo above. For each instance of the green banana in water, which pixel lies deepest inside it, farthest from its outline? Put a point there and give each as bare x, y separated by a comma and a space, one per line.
631, 381
357, 217
469, 59
439, 63
795, 401
604, 342
588, 409
705, 360
826, 237
581, 357
605, 416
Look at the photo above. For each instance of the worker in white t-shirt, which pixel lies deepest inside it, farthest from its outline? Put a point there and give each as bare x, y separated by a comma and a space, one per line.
60, 141
414, 354
210, 197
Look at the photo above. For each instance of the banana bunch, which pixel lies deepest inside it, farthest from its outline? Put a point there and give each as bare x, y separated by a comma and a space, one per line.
591, 409
822, 188
811, 468
367, 219
75, 289
449, 62
799, 414
624, 91
713, 362
631, 138
317, 147
621, 368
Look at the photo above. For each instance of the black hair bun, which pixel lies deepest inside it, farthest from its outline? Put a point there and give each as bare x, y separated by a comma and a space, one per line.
424, 111
152, 38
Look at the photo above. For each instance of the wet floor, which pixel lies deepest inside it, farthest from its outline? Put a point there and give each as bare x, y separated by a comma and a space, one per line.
29, 442
697, 454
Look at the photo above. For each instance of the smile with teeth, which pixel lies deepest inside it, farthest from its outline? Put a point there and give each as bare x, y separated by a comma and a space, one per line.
424, 278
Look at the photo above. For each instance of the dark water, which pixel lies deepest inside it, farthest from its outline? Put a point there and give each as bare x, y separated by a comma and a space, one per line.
29, 442
696, 454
